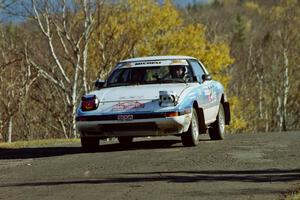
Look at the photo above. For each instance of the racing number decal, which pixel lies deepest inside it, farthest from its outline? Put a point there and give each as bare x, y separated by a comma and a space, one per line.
209, 93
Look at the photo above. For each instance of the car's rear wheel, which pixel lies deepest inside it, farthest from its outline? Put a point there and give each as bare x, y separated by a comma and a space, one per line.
191, 137
89, 143
125, 140
217, 130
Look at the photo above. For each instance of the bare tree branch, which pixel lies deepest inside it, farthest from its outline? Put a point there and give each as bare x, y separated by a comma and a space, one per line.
47, 33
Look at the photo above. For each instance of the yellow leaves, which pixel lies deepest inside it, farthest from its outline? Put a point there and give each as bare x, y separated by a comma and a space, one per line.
277, 11
147, 16
144, 27
237, 123
253, 6
178, 40
190, 40
284, 9
216, 58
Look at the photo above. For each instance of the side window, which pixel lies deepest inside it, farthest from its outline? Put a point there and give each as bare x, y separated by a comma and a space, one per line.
197, 69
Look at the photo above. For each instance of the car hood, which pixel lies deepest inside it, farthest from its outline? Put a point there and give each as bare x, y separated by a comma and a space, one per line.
137, 92
137, 98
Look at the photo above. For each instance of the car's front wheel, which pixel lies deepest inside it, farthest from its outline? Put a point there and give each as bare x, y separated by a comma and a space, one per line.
191, 137
217, 130
89, 143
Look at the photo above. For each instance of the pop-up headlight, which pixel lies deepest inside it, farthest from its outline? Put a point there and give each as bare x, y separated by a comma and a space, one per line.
167, 98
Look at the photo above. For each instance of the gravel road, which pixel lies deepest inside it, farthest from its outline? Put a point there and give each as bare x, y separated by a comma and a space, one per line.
243, 166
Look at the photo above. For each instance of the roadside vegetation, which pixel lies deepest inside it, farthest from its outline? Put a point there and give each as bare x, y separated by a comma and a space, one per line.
36, 143
293, 196
51, 57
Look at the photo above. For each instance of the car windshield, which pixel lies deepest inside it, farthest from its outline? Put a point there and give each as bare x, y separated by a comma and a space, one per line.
149, 75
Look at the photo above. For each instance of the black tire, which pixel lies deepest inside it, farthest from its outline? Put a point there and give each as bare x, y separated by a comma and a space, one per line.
89, 143
191, 137
125, 140
217, 130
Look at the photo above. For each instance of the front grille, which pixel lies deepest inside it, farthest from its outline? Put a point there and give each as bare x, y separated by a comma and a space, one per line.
115, 117
151, 115
129, 127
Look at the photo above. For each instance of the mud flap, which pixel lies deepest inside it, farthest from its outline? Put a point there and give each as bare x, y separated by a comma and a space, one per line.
227, 112
201, 121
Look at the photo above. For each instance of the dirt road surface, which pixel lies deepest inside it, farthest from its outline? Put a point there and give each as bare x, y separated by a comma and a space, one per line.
243, 166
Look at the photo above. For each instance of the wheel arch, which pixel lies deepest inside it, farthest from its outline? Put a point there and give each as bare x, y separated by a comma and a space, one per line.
226, 107
201, 120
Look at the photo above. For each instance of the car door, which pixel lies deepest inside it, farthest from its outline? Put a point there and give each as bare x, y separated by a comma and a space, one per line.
204, 91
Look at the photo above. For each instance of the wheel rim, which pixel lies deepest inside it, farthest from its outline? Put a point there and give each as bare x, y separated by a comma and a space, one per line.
221, 121
195, 128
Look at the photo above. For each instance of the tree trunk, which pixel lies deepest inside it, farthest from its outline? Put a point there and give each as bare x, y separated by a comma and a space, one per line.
283, 95
1, 127
63, 128
279, 112
10, 126
266, 121
85, 52
74, 97
286, 87
74, 121
260, 94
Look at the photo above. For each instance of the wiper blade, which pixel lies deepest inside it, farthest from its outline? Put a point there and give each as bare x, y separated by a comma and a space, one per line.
117, 84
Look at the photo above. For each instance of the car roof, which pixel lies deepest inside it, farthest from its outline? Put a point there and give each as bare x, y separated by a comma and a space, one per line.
153, 58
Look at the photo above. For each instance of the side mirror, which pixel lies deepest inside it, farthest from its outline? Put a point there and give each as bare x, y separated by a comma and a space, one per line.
99, 84
206, 77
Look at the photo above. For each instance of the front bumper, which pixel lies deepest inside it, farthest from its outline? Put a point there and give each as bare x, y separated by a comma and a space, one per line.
140, 125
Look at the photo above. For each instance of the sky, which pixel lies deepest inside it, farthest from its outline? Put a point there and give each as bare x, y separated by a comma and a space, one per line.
186, 2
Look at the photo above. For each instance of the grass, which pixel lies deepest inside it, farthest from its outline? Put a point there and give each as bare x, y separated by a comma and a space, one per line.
36, 143
293, 196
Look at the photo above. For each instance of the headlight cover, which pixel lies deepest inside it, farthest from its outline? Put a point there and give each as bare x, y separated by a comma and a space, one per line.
167, 98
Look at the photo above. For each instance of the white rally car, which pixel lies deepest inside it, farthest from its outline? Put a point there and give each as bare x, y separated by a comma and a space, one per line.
154, 96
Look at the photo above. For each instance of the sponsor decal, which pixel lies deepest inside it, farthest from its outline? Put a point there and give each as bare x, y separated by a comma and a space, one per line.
213, 96
127, 106
148, 63
206, 91
209, 93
